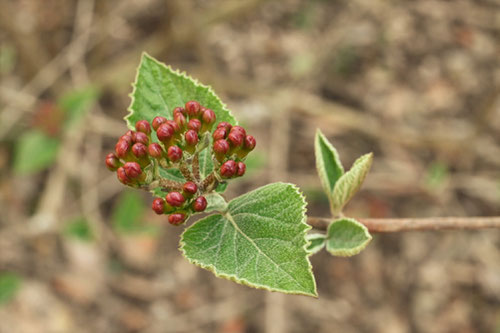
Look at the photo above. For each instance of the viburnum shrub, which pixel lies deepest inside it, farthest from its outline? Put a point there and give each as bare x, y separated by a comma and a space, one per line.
184, 146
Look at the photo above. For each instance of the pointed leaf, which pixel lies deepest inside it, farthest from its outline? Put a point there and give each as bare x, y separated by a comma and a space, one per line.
316, 243
347, 237
347, 186
328, 163
259, 241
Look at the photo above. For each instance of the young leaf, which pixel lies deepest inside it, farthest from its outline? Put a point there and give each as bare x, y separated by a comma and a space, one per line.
347, 237
34, 152
259, 241
328, 163
215, 202
347, 186
316, 243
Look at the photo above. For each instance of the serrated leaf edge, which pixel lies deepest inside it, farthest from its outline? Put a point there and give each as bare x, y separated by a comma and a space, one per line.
349, 252
244, 281
176, 71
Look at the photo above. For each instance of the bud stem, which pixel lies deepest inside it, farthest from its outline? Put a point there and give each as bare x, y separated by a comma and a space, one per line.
196, 167
185, 171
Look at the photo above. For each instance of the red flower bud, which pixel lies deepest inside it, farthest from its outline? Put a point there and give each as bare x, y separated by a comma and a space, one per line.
176, 219
220, 148
158, 206
174, 125
193, 109
141, 137
194, 124
165, 132
220, 133
139, 150
208, 117
175, 199
155, 150
112, 162
200, 204
174, 153
250, 142
157, 121
122, 148
143, 127
128, 138
235, 138
240, 169
239, 129
132, 170
180, 120
179, 110
191, 137
190, 188
225, 125
228, 169
122, 176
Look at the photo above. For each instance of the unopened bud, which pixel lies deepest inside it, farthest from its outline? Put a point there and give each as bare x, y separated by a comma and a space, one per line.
235, 138
194, 124
239, 129
228, 169
250, 143
143, 127
191, 140
175, 199
122, 176
240, 169
224, 124
176, 218
158, 206
132, 170
193, 109
220, 148
200, 204
157, 121
141, 138
220, 133
189, 188
122, 148
180, 120
174, 153
139, 150
165, 132
179, 110
155, 150
208, 117
112, 162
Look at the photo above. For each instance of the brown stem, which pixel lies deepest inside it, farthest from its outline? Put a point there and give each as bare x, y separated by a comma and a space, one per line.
209, 183
416, 224
185, 171
196, 167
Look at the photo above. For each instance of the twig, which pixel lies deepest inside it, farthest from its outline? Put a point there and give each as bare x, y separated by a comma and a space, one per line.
417, 224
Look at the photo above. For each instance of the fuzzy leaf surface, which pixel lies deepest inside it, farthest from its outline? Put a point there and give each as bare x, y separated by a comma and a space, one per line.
350, 183
328, 163
346, 237
259, 241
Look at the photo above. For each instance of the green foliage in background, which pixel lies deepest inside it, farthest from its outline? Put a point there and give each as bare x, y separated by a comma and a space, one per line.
9, 286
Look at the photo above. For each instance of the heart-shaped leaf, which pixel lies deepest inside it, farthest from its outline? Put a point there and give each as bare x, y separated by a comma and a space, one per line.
259, 241
347, 237
347, 185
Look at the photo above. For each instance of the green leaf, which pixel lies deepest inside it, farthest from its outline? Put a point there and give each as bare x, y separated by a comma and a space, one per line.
316, 243
347, 237
347, 186
9, 285
259, 241
328, 163
34, 151
79, 229
158, 89
128, 212
215, 202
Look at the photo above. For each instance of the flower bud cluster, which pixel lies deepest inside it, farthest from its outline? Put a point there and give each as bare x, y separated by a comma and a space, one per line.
137, 157
179, 205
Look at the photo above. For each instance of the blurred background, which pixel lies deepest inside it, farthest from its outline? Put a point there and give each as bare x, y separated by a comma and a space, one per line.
416, 82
